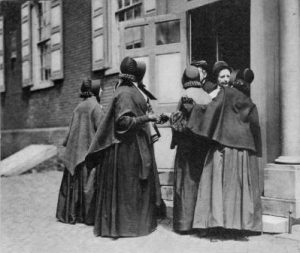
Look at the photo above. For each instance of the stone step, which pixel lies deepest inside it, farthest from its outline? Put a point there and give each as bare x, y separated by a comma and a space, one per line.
280, 207
166, 176
26, 159
169, 205
274, 224
167, 192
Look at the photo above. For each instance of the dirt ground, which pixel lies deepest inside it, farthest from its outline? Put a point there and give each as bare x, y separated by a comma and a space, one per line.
28, 225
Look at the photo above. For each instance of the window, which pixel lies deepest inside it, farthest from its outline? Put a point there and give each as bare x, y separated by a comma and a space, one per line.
167, 32
129, 9
99, 38
44, 45
2, 85
135, 37
41, 43
159, 42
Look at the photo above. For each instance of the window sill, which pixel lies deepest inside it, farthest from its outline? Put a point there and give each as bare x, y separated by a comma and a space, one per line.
41, 86
112, 71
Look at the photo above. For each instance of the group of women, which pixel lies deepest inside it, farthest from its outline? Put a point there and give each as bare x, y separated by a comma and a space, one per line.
111, 179
218, 145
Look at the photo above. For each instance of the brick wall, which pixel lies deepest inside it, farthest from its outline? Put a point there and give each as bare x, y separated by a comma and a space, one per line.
50, 107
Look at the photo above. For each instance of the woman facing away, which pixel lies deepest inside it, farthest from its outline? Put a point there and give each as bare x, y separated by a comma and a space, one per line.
229, 194
128, 190
190, 153
76, 194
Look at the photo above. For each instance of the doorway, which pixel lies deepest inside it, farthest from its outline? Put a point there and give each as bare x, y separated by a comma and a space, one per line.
221, 31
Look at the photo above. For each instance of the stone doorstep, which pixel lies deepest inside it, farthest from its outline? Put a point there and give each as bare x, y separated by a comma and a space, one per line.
282, 181
280, 207
166, 176
273, 224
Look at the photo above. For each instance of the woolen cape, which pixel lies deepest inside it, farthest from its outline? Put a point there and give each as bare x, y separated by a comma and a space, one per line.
231, 119
128, 189
189, 161
85, 119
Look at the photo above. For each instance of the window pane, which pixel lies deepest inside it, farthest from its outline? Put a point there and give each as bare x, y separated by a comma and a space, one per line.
120, 4
121, 16
45, 53
135, 37
168, 32
127, 2
98, 48
129, 14
169, 80
137, 11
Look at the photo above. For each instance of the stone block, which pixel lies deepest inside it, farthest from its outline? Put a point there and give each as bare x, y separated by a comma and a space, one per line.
169, 206
166, 177
273, 224
282, 181
167, 192
280, 207
26, 159
164, 156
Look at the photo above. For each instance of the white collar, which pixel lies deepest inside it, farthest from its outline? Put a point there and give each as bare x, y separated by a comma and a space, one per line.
215, 92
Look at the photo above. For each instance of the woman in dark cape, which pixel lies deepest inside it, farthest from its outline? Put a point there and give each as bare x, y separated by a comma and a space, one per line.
76, 195
229, 194
190, 153
128, 189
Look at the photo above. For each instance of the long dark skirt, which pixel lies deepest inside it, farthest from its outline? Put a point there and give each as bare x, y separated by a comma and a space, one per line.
188, 167
125, 204
76, 199
229, 194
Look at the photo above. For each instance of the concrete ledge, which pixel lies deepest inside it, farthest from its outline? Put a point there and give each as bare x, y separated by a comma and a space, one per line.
16, 139
273, 224
280, 207
26, 159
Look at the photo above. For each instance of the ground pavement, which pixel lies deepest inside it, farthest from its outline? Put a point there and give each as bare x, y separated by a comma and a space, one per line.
28, 225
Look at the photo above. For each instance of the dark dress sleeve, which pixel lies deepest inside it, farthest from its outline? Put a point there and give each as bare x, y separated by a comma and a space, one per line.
127, 119
255, 129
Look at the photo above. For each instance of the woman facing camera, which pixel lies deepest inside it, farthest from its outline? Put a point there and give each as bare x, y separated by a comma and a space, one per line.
228, 194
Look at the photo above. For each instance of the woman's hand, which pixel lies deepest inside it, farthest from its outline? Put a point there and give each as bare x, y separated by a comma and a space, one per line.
153, 117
